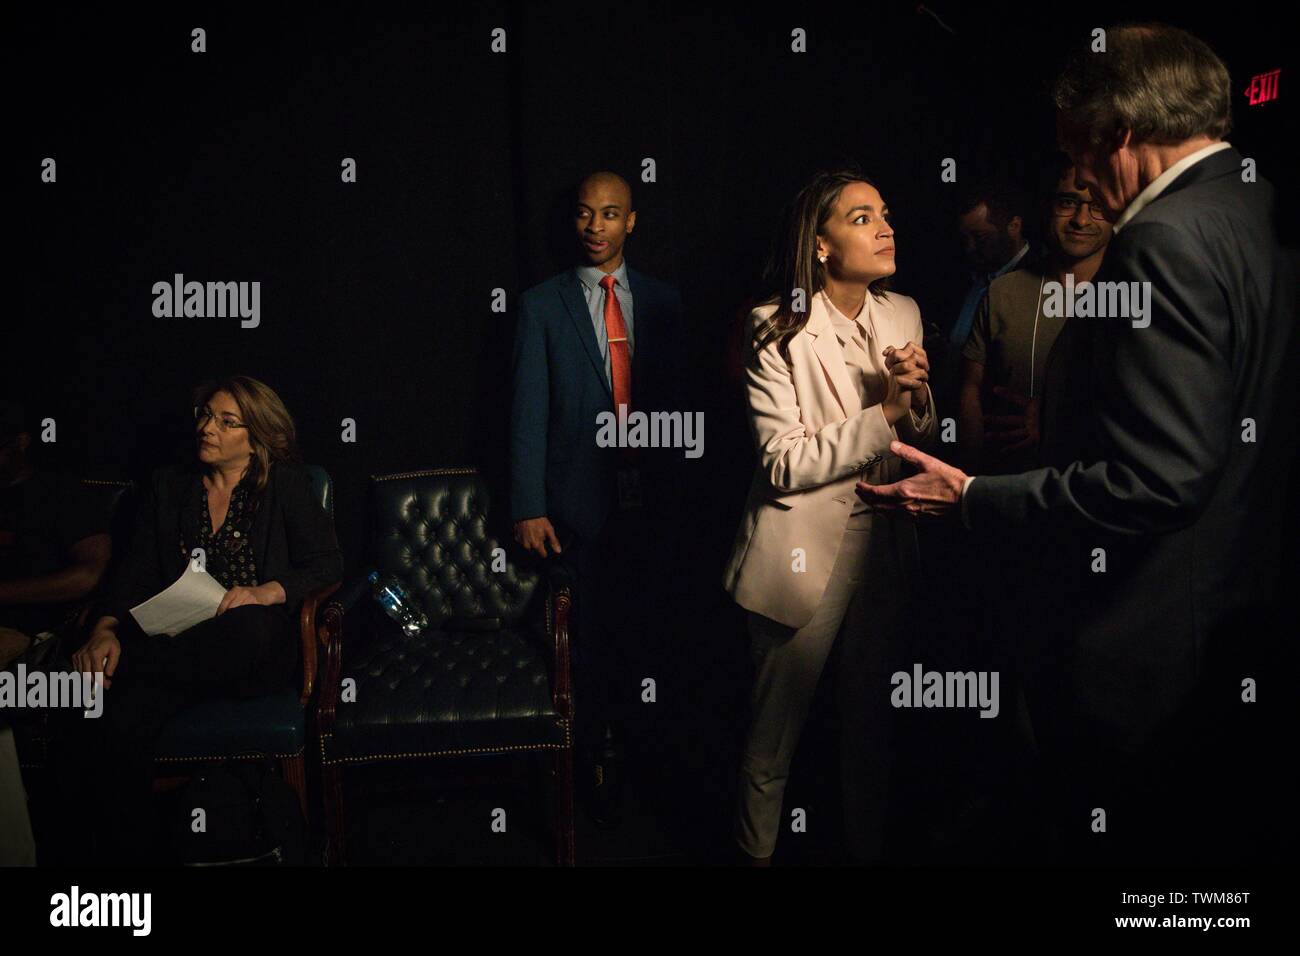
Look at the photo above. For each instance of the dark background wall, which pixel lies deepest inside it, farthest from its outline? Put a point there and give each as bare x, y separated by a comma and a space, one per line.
376, 295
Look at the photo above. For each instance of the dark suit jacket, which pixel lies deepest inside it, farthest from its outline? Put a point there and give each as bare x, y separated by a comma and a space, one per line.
556, 468
1144, 426
292, 536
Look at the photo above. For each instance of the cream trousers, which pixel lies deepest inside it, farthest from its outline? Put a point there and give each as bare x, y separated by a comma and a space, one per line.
861, 608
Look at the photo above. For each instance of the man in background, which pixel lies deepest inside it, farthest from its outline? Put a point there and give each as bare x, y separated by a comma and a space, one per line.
596, 338
991, 221
1004, 361
1150, 625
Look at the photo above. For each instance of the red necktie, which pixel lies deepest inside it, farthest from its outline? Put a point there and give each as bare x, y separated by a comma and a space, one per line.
620, 363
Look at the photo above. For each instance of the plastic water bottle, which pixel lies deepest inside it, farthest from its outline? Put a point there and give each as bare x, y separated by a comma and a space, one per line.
396, 604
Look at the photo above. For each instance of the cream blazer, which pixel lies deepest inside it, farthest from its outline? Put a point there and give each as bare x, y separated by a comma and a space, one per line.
815, 442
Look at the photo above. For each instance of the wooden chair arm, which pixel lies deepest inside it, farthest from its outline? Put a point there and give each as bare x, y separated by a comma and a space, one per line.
559, 604
308, 623
331, 641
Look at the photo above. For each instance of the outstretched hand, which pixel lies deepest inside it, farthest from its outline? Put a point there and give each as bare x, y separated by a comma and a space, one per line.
934, 491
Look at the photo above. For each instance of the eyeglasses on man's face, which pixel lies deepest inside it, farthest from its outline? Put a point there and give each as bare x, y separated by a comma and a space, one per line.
1063, 204
225, 422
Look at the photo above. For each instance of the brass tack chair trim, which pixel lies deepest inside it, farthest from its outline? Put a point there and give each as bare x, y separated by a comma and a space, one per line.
426, 473
246, 756
446, 753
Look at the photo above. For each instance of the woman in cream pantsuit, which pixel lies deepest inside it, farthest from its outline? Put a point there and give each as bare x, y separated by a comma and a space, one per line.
833, 376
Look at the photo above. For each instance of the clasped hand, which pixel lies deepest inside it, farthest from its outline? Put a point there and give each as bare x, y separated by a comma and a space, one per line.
909, 366
909, 370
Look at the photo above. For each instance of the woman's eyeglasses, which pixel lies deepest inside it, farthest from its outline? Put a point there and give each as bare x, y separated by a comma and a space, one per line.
1066, 205
224, 422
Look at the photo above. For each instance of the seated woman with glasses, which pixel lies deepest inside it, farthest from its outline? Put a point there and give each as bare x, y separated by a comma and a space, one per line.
242, 510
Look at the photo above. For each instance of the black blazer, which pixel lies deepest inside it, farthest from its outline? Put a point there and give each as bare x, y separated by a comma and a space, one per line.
1145, 427
292, 537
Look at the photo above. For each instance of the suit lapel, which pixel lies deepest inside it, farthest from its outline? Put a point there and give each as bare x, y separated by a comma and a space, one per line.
827, 348
571, 294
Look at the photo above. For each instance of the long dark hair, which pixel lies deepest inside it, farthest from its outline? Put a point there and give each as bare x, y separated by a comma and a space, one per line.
792, 264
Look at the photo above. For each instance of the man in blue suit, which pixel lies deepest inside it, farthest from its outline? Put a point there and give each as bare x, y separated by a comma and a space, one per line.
593, 338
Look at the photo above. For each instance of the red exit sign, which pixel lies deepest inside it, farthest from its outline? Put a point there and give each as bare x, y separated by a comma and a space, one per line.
1263, 87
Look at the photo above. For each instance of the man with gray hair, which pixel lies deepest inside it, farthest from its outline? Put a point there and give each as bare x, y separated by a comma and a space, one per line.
1158, 519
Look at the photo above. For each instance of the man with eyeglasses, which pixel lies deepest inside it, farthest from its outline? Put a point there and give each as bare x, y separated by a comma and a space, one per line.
1163, 559
1005, 359
1004, 363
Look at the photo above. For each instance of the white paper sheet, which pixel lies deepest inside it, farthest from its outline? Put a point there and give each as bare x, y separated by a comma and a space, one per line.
191, 598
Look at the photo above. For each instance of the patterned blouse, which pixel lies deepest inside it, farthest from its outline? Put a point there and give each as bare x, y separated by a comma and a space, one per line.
228, 551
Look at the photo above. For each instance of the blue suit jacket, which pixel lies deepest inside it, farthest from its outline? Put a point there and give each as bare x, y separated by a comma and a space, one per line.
556, 468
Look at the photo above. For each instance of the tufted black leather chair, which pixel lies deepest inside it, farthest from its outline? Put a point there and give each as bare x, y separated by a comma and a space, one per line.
490, 675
